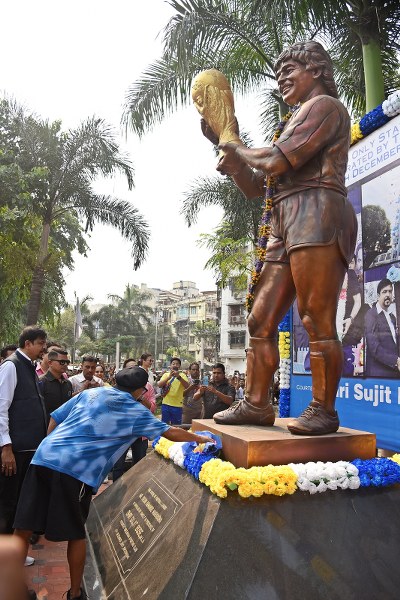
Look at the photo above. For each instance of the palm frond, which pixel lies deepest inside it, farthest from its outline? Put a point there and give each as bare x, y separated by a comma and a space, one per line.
121, 214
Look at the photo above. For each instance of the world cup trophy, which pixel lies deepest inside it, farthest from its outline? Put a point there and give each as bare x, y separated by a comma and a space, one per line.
213, 98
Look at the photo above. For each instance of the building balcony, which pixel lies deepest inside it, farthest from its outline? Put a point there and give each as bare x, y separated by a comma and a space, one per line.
237, 320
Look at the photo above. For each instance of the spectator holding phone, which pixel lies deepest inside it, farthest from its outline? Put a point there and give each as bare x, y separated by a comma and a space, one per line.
86, 380
216, 396
173, 384
191, 408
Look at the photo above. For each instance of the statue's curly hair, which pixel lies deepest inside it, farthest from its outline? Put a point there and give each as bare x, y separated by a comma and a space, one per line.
311, 54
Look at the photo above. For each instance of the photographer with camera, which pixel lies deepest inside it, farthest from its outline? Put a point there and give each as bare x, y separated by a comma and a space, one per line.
173, 385
191, 408
216, 396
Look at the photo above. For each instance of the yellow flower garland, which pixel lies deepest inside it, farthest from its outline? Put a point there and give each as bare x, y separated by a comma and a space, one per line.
284, 344
163, 446
219, 475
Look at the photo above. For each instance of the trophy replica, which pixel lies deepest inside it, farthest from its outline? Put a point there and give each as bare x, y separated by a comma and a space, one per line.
213, 98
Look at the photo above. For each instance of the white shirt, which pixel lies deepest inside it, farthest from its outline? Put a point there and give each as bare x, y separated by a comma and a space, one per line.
8, 383
379, 309
78, 381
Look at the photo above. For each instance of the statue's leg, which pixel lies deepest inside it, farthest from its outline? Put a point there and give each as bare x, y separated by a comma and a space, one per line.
274, 295
318, 273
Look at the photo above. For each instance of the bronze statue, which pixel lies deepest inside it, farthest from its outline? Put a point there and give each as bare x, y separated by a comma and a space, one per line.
313, 234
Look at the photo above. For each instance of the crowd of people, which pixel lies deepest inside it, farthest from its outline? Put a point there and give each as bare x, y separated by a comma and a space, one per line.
61, 436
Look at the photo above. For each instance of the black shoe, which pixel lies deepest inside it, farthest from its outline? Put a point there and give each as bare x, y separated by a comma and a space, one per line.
31, 594
34, 538
83, 596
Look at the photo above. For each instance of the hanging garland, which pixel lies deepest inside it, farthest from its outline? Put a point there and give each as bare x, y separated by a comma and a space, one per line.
264, 229
284, 366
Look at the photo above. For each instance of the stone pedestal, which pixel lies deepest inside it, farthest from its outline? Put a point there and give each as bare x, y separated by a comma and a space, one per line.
158, 534
251, 445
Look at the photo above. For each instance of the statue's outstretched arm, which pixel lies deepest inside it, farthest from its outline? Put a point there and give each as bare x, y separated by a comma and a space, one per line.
269, 160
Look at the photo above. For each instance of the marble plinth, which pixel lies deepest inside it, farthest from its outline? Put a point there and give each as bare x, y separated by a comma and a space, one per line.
252, 445
158, 534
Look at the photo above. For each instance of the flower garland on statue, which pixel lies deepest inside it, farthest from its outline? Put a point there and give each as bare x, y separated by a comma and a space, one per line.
376, 117
264, 231
202, 462
264, 228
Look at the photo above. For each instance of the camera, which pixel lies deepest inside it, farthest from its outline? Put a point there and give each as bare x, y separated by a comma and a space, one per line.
196, 381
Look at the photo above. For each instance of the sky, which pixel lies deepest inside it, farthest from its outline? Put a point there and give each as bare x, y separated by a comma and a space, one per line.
69, 60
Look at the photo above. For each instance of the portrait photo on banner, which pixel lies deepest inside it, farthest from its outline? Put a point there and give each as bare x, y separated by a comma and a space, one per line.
381, 256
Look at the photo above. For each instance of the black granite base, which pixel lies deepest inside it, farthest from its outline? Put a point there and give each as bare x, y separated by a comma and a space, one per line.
157, 533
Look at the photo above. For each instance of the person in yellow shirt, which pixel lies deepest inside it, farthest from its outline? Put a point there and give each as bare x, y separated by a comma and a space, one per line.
173, 384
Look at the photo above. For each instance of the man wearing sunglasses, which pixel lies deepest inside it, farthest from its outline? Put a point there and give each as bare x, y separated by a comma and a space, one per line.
87, 435
55, 388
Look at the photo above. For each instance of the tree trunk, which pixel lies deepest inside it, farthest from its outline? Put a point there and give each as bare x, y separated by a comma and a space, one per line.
373, 75
38, 278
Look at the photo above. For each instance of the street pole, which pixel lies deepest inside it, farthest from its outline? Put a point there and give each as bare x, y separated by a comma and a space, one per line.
155, 341
188, 331
202, 357
117, 354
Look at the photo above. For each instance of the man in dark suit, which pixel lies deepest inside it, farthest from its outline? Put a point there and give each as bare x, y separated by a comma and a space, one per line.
382, 335
23, 422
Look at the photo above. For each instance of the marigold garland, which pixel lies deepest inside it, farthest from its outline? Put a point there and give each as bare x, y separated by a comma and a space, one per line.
264, 228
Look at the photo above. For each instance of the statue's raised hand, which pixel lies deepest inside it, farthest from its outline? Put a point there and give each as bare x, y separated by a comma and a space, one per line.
230, 163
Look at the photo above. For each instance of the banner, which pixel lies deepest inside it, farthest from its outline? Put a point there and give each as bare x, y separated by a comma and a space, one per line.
369, 304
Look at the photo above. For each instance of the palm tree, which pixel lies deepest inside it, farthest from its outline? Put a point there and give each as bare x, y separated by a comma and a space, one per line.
238, 37
364, 39
68, 164
243, 37
128, 320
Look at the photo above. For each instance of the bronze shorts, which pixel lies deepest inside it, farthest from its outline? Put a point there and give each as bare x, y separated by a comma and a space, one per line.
315, 217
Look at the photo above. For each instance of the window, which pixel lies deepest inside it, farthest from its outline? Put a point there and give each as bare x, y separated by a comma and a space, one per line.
237, 339
236, 315
193, 310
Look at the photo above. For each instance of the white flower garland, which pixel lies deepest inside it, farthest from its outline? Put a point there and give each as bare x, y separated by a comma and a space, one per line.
316, 477
284, 374
176, 453
391, 106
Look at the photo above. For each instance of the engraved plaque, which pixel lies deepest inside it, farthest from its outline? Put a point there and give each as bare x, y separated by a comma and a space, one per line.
140, 523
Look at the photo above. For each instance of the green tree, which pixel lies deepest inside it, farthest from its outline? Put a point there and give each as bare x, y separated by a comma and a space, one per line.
64, 166
229, 255
126, 320
232, 241
363, 36
209, 332
242, 38
132, 311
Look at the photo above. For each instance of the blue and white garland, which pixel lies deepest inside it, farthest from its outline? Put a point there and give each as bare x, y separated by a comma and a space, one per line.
376, 117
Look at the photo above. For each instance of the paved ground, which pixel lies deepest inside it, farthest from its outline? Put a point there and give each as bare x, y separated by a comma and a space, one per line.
49, 576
